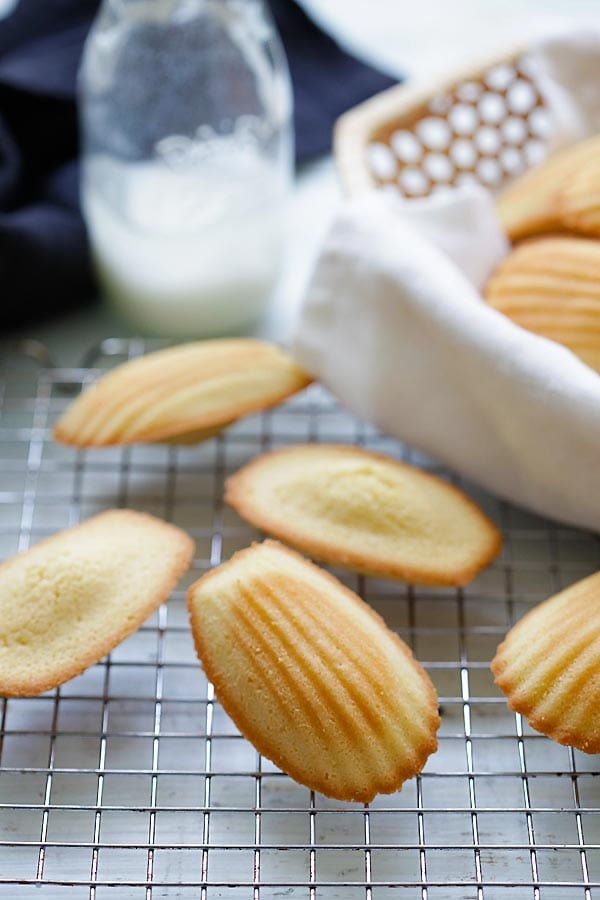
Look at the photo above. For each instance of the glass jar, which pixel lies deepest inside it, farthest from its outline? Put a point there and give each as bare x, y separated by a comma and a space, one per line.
185, 109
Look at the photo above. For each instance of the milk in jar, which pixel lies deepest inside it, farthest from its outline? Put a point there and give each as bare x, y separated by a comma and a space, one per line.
187, 162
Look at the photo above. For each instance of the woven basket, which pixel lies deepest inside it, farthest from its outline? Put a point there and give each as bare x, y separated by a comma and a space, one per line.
485, 124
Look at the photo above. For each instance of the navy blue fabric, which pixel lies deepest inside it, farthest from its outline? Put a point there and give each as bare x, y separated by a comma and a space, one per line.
44, 256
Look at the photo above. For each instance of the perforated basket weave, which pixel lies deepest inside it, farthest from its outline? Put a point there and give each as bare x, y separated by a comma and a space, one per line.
486, 124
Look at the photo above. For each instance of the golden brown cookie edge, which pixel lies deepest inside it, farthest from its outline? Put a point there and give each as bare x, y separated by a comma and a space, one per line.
178, 567
329, 553
236, 713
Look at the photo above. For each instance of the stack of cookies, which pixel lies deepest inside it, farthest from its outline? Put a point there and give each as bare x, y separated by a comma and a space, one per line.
550, 283
549, 664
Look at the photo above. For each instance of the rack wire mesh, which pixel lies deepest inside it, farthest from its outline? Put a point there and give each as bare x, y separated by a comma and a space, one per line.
131, 782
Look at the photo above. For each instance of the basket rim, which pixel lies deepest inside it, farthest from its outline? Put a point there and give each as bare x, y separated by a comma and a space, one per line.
354, 128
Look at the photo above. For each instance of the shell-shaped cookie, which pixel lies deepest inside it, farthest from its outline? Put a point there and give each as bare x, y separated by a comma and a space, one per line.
311, 675
66, 602
367, 512
530, 204
551, 286
548, 666
184, 393
578, 201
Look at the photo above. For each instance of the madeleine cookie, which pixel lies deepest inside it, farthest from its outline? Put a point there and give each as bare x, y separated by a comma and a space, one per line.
69, 600
365, 511
578, 201
311, 675
531, 205
548, 666
182, 394
551, 286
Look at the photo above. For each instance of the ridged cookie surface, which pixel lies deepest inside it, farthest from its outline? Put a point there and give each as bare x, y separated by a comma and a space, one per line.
188, 392
551, 286
366, 512
66, 602
530, 205
578, 201
311, 675
548, 666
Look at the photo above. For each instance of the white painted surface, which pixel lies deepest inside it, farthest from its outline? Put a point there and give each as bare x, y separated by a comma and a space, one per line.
430, 36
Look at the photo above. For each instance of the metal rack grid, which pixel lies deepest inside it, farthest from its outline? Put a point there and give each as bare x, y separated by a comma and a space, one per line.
131, 782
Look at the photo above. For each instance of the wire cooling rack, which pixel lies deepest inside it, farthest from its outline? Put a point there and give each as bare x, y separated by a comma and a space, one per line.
131, 782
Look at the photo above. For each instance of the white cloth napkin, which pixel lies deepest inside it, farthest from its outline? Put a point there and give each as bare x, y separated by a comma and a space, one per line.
393, 323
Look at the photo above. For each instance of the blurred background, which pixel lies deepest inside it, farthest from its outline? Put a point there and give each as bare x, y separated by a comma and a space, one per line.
420, 38
51, 290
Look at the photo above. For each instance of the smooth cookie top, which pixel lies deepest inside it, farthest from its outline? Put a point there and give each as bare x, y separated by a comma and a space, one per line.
69, 600
367, 512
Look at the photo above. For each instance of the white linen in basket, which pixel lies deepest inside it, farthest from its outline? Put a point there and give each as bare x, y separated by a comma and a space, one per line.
393, 323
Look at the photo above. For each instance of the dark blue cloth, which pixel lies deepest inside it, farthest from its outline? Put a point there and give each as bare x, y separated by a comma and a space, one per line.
44, 256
